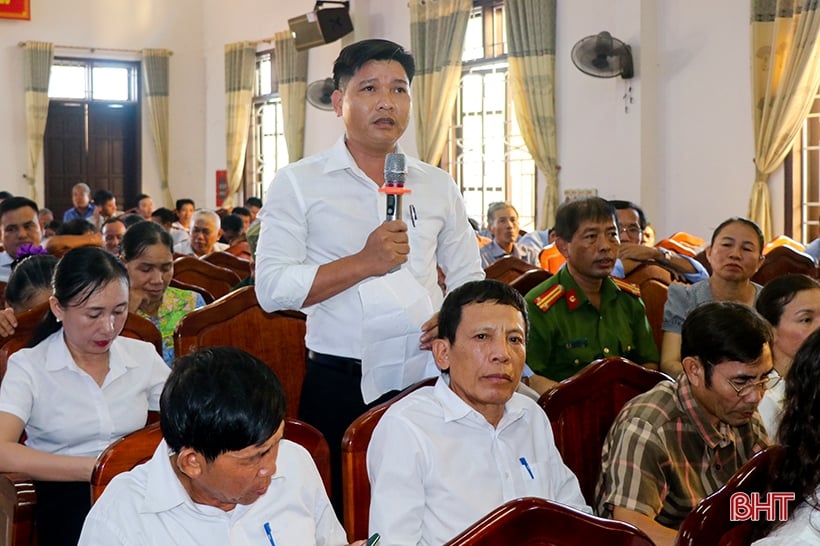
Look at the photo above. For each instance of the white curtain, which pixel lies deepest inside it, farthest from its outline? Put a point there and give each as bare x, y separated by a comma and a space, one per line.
155, 69
291, 65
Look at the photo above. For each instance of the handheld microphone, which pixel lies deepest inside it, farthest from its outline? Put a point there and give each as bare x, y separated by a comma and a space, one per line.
395, 174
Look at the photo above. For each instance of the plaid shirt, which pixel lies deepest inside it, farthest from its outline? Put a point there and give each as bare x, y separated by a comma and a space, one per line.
662, 455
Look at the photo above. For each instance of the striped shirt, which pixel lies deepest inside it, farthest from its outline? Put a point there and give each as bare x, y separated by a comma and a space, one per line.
662, 455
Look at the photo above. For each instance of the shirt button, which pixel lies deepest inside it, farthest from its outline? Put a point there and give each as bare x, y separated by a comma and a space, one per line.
606, 351
577, 361
717, 467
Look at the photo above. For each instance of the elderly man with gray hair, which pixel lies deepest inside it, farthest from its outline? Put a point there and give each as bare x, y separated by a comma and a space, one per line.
205, 232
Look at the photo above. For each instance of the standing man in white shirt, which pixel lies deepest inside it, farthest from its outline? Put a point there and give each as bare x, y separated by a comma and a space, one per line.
18, 217
445, 456
223, 475
368, 286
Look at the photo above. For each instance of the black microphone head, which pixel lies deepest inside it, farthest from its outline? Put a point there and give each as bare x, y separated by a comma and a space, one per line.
395, 170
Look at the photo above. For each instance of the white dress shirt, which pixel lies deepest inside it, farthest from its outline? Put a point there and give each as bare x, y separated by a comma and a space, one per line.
5, 266
323, 208
802, 529
436, 466
185, 248
771, 408
63, 408
148, 506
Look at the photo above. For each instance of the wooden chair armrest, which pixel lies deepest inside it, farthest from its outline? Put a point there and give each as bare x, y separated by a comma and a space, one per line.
17, 500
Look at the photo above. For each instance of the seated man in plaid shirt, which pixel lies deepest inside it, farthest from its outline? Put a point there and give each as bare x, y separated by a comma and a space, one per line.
679, 442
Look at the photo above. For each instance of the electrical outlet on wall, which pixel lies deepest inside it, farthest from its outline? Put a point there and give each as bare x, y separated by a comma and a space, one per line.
575, 194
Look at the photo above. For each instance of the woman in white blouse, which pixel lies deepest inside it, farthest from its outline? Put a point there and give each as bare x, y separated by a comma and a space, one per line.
76, 389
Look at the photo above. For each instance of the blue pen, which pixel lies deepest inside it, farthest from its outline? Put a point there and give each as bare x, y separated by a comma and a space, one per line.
270, 535
527, 466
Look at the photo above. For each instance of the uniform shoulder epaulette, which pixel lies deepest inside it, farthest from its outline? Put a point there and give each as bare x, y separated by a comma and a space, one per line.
549, 297
626, 286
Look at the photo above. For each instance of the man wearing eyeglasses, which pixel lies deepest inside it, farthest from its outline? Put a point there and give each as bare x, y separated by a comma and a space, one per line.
680, 441
631, 225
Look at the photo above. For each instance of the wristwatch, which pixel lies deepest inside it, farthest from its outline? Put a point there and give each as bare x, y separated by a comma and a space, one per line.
667, 255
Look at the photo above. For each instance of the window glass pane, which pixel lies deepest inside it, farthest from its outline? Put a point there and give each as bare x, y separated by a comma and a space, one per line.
263, 73
67, 82
474, 39
110, 83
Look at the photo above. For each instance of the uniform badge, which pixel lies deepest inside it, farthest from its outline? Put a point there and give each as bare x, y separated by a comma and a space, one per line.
549, 297
626, 286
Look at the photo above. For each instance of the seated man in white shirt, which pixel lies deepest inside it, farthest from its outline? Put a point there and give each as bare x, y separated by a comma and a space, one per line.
445, 456
18, 220
205, 234
223, 475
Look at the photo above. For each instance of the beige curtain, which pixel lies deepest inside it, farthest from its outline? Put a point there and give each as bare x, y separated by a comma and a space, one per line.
291, 65
155, 69
37, 57
240, 67
531, 54
437, 31
785, 77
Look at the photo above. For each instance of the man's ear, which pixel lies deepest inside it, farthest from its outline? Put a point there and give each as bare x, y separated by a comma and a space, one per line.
190, 462
562, 246
441, 353
336, 100
694, 371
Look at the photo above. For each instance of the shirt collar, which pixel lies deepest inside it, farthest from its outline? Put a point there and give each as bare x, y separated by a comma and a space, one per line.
715, 437
58, 357
565, 279
339, 158
456, 409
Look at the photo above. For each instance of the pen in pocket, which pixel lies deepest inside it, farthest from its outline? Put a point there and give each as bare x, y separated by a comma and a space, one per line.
526, 465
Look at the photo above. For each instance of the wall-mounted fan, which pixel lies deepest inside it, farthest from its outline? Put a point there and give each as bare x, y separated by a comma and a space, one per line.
603, 56
319, 92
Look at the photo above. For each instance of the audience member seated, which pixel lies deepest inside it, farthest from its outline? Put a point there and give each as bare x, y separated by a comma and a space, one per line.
679, 442
181, 228
45, 217
791, 304
205, 234
233, 230
18, 220
502, 222
631, 225
537, 239
149, 257
131, 218
106, 204
28, 287
78, 388
254, 205
648, 235
165, 218
798, 469
112, 231
582, 314
145, 206
223, 474
253, 238
444, 456
81, 199
735, 256
245, 214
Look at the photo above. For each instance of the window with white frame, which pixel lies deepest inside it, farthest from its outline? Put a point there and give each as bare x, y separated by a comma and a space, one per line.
486, 154
93, 80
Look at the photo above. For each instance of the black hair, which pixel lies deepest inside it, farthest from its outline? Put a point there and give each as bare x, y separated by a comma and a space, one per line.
102, 196
356, 55
571, 214
54, 225
241, 211
31, 275
77, 226
253, 202
6, 194
14, 203
232, 222
79, 273
476, 292
625, 205
131, 219
142, 235
722, 331
220, 399
745, 222
165, 216
779, 292
140, 197
182, 202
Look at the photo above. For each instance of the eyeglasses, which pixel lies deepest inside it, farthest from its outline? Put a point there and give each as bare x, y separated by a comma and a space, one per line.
763, 385
633, 231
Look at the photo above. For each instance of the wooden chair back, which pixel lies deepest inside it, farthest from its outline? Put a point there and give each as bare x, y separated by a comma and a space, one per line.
704, 261
551, 259
27, 324
241, 249
583, 407
240, 266
709, 524
692, 241
507, 269
785, 259
644, 272
654, 294
3, 294
139, 446
534, 521
529, 280
216, 280
783, 240
278, 339
356, 484
207, 296
137, 327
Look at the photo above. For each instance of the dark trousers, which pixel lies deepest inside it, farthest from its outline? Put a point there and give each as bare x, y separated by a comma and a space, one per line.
60, 512
331, 400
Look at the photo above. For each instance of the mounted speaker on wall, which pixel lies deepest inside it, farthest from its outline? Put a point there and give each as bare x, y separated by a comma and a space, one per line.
321, 26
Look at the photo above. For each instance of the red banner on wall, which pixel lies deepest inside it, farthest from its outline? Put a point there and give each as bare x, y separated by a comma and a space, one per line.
15, 9
221, 187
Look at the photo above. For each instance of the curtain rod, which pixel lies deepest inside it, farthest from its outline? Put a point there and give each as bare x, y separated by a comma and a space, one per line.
91, 49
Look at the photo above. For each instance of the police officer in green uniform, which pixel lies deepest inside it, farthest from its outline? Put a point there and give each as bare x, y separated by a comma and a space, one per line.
581, 313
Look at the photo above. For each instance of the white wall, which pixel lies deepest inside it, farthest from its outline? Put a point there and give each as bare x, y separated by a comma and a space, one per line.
683, 148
